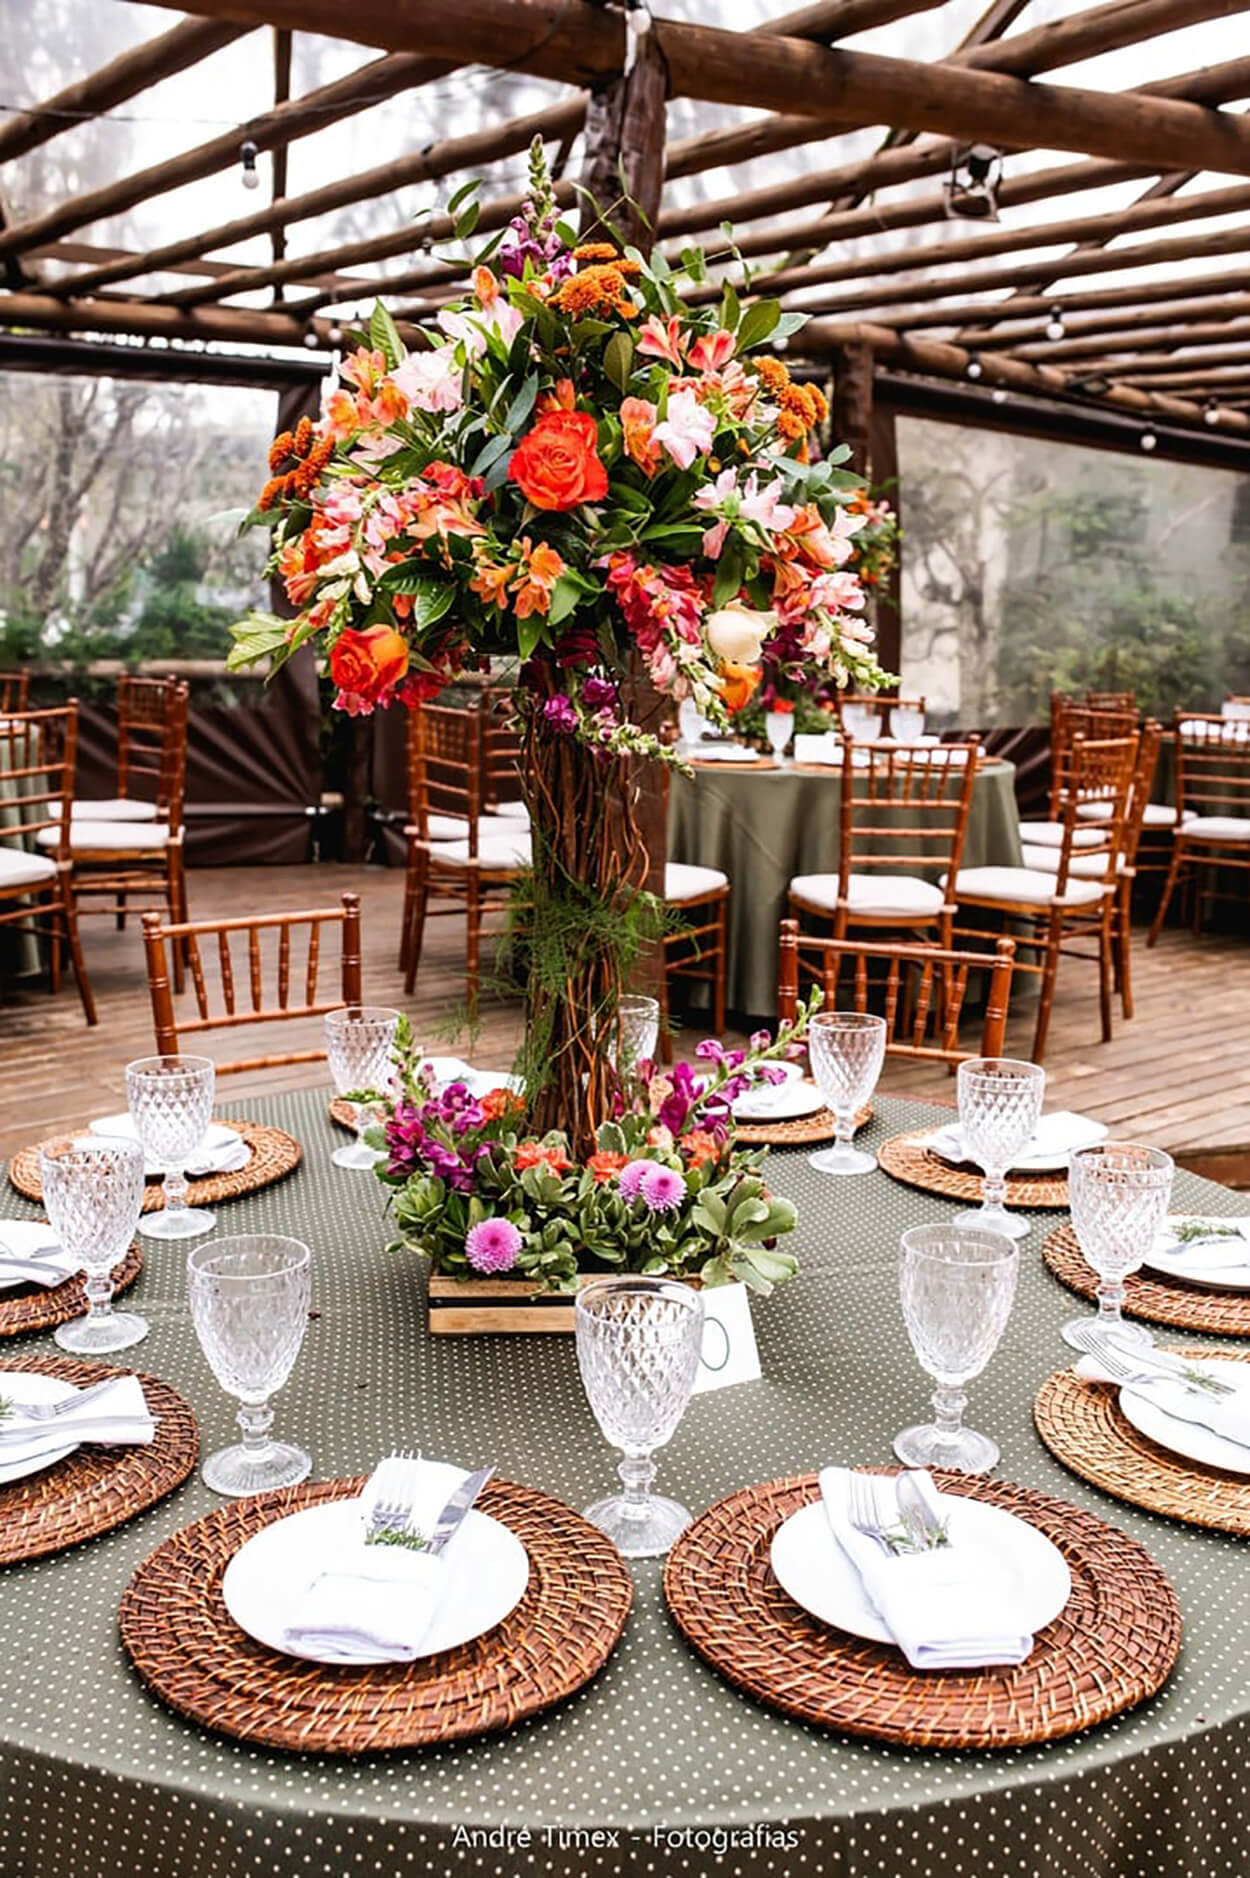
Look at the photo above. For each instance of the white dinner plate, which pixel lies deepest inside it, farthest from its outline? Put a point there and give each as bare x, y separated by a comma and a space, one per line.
488, 1575
1188, 1439
779, 1102
1079, 1131
215, 1140
812, 1567
23, 1385
1191, 1263
34, 1238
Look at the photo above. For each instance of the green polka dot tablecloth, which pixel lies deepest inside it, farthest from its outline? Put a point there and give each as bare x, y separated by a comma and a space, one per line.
659, 1767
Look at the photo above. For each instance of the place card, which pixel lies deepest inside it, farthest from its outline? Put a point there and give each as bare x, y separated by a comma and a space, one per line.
730, 1354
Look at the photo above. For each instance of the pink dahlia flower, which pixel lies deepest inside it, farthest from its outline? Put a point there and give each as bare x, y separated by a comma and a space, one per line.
492, 1245
662, 1188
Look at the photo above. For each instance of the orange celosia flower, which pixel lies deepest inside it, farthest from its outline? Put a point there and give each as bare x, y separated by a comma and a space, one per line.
597, 289
772, 374
595, 251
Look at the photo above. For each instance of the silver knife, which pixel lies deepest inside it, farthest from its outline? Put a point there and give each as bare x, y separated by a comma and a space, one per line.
916, 1514
1148, 1390
449, 1520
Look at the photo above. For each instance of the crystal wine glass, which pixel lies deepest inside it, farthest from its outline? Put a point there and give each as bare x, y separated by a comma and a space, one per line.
957, 1285
1119, 1194
691, 723
639, 1034
779, 728
1000, 1105
360, 1039
638, 1343
847, 1049
249, 1303
92, 1193
171, 1102
906, 723
861, 722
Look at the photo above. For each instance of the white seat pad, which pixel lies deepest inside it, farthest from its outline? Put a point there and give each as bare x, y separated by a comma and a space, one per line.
1217, 827
20, 869
109, 837
684, 881
1080, 867
1025, 886
455, 827
114, 809
1050, 834
509, 849
887, 896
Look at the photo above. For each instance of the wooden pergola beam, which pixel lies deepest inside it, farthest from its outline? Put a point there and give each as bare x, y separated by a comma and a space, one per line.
146, 319
329, 104
1203, 381
839, 19
584, 44
1113, 341
122, 78
1106, 307
1139, 365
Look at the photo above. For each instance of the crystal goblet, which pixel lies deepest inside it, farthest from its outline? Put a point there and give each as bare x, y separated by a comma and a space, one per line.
861, 722
638, 1034
1000, 1105
846, 1049
92, 1192
957, 1285
638, 1343
906, 723
691, 723
248, 1298
171, 1102
1119, 1195
779, 728
360, 1040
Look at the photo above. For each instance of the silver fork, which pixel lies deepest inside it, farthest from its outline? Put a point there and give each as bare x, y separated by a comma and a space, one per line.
1129, 1369
391, 1506
51, 1411
1097, 1343
862, 1511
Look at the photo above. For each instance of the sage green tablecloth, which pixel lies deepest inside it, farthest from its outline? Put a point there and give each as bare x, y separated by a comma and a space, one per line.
659, 1755
762, 827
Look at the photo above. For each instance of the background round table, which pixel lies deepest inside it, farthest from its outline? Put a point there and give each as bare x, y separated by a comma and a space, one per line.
763, 826
659, 1756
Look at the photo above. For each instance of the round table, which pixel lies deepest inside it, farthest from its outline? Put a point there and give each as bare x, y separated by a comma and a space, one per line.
658, 1763
763, 826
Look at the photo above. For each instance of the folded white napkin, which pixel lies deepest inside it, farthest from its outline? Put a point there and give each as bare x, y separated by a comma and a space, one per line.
1056, 1135
222, 1151
367, 1604
117, 1417
31, 1254
724, 753
1216, 1254
817, 747
946, 1609
1225, 1415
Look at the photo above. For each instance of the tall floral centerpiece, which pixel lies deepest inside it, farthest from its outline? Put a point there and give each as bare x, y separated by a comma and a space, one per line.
581, 472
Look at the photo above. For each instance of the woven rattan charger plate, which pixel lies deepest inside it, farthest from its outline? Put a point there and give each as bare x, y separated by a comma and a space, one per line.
1113, 1646
94, 1489
35, 1307
916, 1166
1084, 1427
1185, 1307
189, 1651
275, 1154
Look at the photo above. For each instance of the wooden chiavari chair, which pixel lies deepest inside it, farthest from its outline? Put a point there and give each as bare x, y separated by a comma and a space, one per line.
920, 992
1111, 701
241, 1004
1050, 910
1068, 721
119, 860
38, 753
1212, 806
903, 818
696, 950
14, 692
456, 855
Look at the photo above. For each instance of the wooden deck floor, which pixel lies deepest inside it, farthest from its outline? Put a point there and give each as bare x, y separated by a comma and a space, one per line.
1178, 1075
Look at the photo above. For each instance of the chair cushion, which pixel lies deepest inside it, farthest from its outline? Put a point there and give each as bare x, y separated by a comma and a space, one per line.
499, 851
684, 881
113, 809
20, 869
1217, 828
1091, 812
109, 837
455, 827
1080, 867
512, 811
1023, 886
1050, 834
876, 896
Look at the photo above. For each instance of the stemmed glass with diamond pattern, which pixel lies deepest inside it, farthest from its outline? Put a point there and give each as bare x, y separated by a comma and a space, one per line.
957, 1285
639, 1019
171, 1103
1000, 1105
248, 1297
360, 1040
638, 1343
92, 1192
1119, 1195
846, 1049
779, 728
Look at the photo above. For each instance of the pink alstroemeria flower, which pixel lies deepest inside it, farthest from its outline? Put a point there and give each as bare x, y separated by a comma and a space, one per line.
431, 381
659, 341
687, 431
711, 351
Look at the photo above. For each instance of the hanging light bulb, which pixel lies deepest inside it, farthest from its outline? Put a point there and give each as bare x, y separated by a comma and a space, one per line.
974, 368
1055, 328
1210, 412
1148, 440
248, 153
335, 335
998, 395
311, 340
972, 187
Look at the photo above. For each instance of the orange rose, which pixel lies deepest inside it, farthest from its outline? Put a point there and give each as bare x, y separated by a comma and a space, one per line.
370, 663
556, 466
737, 685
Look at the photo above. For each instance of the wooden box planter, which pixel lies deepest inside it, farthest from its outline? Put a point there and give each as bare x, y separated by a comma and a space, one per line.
458, 1307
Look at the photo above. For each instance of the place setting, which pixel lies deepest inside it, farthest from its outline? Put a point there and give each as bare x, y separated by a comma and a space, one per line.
1193, 1273
928, 1606
190, 1162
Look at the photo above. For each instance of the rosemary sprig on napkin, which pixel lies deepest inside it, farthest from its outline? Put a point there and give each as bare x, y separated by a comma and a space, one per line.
413, 1541
1190, 1230
6, 1409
